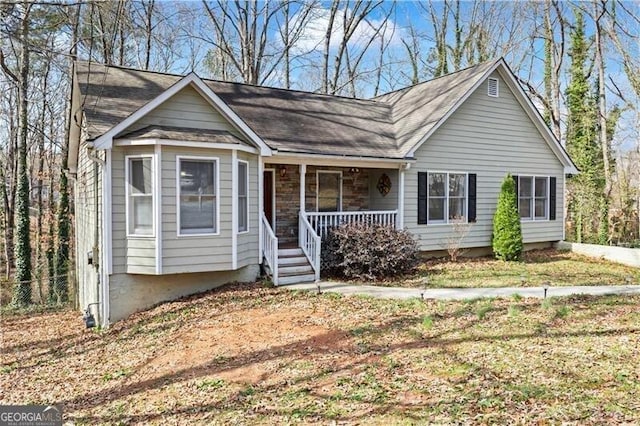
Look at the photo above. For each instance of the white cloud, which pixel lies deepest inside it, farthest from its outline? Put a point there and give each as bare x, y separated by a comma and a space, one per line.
313, 35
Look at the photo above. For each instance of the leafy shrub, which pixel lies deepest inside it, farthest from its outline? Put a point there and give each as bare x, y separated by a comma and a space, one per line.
368, 251
507, 232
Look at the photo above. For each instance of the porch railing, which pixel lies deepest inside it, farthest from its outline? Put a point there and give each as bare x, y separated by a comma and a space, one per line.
270, 248
322, 222
309, 241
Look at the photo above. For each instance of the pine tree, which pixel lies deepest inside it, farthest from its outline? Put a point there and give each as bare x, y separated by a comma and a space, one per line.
507, 231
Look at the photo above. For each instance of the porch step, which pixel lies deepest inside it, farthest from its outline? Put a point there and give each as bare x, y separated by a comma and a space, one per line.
295, 279
289, 252
293, 267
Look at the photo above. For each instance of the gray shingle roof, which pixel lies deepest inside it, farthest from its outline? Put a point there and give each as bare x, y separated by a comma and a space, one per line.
182, 134
287, 120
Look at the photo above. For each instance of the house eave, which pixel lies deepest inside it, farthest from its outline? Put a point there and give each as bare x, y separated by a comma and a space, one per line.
338, 160
184, 143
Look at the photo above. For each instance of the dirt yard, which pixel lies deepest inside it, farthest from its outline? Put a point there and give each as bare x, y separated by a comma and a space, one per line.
246, 354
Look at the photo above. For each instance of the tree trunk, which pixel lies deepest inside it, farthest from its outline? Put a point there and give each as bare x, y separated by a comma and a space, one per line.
22, 289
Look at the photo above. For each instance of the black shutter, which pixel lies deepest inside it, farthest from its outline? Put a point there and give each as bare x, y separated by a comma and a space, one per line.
422, 198
515, 180
552, 198
472, 197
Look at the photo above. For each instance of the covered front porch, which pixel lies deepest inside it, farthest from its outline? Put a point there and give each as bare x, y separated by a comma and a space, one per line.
302, 202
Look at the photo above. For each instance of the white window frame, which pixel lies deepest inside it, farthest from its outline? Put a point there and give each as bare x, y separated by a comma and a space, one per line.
497, 81
246, 163
532, 201
318, 172
446, 220
128, 213
216, 184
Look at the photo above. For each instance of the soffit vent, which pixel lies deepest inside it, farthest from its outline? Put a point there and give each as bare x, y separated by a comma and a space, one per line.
492, 87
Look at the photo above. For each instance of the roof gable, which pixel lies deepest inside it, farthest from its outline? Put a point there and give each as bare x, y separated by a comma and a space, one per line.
419, 111
175, 86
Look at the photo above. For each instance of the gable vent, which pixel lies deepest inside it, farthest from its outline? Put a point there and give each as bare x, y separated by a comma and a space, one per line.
492, 87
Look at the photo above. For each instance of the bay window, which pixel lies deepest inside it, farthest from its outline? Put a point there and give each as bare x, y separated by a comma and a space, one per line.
243, 189
197, 192
139, 193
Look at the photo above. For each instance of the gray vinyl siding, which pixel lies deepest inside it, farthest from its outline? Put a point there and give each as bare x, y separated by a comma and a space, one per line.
134, 255
187, 108
489, 137
85, 217
377, 201
195, 253
248, 241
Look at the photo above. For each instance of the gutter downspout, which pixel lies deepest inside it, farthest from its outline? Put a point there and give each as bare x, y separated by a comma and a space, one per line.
97, 162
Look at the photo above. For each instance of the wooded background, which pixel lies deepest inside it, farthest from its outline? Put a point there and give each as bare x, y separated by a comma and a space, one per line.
578, 60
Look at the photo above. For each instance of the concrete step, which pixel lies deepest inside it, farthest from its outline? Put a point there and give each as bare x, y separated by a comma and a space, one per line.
284, 270
290, 252
295, 279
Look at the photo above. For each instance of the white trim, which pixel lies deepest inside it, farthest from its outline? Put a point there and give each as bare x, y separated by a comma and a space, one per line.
158, 208
247, 195
273, 197
234, 210
260, 207
400, 217
185, 144
564, 205
337, 160
106, 246
532, 205
107, 213
446, 197
127, 214
303, 182
339, 172
216, 184
105, 141
497, 83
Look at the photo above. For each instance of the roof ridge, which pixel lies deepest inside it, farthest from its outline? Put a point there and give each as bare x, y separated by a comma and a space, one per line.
493, 61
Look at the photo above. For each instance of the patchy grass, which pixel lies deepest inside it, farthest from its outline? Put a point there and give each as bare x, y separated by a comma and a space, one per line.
248, 354
538, 267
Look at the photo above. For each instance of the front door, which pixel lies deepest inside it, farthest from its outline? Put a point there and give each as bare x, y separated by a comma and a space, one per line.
268, 196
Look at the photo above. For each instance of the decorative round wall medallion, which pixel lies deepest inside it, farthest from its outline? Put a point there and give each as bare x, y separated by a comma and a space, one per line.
384, 184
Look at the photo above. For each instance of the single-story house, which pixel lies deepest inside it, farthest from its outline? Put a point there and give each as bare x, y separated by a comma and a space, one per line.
183, 184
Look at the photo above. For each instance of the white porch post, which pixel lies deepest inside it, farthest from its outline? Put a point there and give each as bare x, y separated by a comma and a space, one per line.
303, 173
400, 217
260, 205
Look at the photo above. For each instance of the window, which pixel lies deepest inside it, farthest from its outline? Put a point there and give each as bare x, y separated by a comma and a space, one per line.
139, 188
329, 198
533, 197
197, 196
243, 207
447, 197
492, 87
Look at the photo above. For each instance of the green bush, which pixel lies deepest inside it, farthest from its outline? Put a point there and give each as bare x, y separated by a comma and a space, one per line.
507, 232
368, 251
